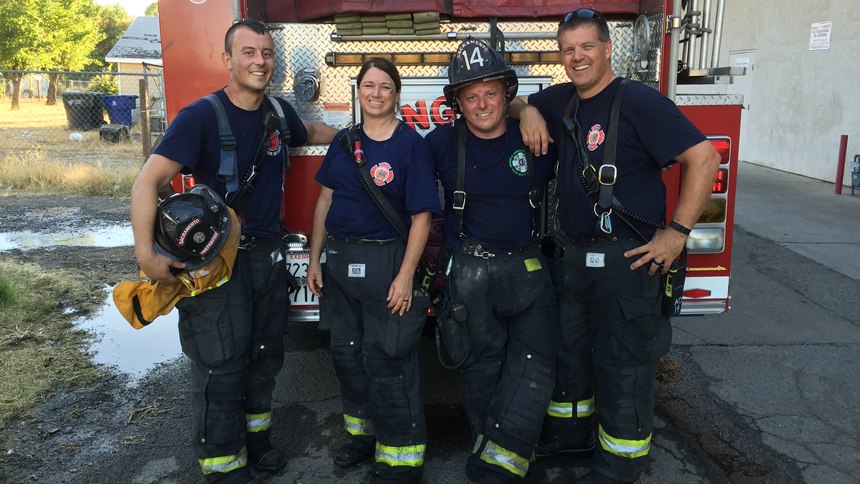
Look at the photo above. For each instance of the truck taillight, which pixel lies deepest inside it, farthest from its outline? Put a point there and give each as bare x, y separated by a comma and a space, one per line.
723, 147
721, 184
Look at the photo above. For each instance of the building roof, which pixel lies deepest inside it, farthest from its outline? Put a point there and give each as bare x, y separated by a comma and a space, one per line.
141, 42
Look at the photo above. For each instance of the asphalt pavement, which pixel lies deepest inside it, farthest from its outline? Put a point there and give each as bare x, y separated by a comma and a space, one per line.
769, 391
802, 214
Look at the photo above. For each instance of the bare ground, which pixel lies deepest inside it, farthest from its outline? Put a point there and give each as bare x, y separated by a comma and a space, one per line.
65, 442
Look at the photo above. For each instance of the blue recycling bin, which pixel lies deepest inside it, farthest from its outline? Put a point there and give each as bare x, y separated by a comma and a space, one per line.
119, 107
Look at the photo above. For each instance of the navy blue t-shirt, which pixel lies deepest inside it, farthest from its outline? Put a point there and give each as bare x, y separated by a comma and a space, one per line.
192, 140
401, 165
497, 212
651, 133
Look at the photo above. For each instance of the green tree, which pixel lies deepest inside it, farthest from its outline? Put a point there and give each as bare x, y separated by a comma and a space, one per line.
71, 28
151, 10
20, 40
113, 20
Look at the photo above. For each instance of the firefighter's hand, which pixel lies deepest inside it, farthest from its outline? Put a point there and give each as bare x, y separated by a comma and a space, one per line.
534, 131
400, 293
159, 268
315, 278
660, 252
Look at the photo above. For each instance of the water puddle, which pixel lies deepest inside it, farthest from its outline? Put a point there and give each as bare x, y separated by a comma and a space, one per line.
108, 236
132, 351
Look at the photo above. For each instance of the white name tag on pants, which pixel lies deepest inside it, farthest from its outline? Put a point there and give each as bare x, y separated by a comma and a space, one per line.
356, 270
595, 259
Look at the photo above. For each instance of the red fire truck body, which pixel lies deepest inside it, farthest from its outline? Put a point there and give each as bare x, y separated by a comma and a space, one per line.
316, 68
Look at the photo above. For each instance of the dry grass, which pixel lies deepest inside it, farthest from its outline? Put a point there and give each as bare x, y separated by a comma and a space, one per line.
40, 351
38, 155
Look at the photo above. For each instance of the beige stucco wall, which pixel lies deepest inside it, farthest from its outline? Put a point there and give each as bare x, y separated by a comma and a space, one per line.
800, 101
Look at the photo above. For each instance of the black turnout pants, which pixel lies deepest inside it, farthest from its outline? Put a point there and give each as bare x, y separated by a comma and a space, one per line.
510, 371
612, 334
375, 354
234, 336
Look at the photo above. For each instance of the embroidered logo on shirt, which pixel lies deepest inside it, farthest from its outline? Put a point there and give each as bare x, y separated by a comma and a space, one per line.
595, 137
518, 164
273, 147
382, 174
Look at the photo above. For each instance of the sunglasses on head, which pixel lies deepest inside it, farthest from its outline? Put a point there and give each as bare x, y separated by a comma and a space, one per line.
583, 13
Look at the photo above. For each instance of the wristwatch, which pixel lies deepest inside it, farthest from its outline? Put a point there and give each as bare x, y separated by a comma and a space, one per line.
680, 228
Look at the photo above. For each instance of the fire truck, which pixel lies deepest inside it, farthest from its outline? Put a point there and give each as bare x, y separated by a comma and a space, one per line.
320, 45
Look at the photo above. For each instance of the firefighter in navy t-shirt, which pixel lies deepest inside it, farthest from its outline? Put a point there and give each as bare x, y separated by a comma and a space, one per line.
606, 276
498, 272
369, 302
233, 333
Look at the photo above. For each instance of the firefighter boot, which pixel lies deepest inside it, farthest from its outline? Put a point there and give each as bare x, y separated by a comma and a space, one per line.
573, 437
357, 450
262, 455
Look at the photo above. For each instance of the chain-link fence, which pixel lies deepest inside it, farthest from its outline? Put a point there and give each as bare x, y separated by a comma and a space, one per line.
81, 116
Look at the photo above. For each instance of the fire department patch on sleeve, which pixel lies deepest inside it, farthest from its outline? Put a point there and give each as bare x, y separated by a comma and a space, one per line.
382, 174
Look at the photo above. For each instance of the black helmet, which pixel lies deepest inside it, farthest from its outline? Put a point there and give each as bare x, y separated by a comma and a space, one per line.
192, 227
476, 61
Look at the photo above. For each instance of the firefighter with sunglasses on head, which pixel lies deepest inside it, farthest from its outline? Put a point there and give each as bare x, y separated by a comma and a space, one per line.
610, 252
498, 282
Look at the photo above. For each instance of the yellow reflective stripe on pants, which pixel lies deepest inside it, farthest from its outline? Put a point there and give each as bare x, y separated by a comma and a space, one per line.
584, 408
258, 422
560, 409
512, 462
409, 455
357, 426
226, 463
630, 449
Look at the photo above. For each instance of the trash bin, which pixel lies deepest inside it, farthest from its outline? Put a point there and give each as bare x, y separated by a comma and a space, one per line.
84, 110
119, 107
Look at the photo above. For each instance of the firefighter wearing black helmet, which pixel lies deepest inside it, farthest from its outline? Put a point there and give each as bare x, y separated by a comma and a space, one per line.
498, 275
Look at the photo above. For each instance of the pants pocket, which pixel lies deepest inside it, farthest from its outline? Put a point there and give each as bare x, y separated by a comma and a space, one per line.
403, 333
642, 334
205, 328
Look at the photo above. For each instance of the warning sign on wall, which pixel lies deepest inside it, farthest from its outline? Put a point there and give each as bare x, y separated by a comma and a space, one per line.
819, 35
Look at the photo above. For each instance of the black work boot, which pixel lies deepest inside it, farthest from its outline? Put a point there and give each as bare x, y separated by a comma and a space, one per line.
238, 476
262, 456
578, 450
574, 438
356, 450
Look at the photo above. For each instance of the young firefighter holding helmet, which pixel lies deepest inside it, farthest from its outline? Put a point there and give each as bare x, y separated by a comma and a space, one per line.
497, 275
233, 332
608, 263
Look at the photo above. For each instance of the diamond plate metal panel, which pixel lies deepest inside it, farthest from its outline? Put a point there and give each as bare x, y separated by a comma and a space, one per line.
708, 99
304, 46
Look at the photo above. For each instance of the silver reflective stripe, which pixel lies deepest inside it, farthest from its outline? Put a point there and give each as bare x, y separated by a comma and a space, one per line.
630, 449
410, 455
584, 408
225, 463
560, 409
257, 422
357, 426
497, 455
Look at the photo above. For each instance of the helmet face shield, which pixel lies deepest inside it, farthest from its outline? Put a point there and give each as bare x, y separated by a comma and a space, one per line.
192, 227
476, 61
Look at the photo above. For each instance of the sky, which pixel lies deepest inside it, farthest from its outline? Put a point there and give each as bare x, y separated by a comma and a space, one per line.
134, 8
